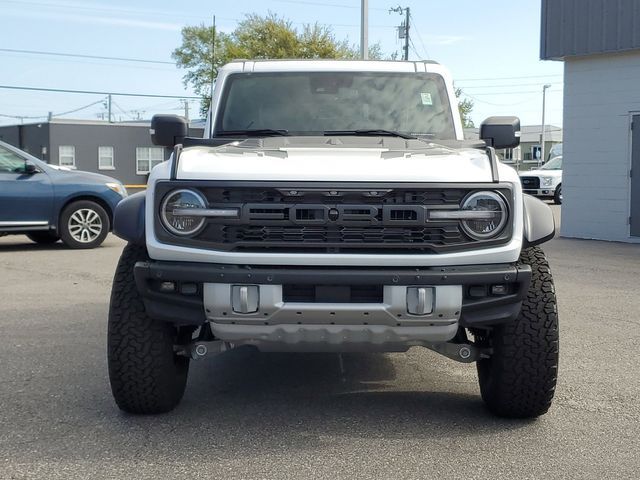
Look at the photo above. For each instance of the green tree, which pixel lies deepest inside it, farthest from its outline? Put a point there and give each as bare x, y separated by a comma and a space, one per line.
196, 56
259, 37
466, 107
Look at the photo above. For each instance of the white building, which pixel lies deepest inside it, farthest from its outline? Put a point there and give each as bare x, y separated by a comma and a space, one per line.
599, 43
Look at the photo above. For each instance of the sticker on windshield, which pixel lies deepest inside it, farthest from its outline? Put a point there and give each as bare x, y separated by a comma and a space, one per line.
426, 98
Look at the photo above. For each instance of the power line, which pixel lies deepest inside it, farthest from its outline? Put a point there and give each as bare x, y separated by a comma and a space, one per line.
511, 85
413, 47
22, 117
77, 109
507, 78
131, 117
91, 92
135, 13
77, 55
475, 98
420, 39
322, 4
498, 94
165, 62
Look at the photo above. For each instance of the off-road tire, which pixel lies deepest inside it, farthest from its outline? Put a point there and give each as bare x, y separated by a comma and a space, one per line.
83, 205
519, 379
146, 375
43, 238
557, 198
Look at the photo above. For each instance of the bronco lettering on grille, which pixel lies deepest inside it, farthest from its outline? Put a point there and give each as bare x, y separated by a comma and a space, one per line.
322, 214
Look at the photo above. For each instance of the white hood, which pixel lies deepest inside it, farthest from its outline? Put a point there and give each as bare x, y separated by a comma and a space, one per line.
334, 163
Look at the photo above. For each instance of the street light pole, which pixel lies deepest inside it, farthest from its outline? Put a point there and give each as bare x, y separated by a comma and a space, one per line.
544, 128
364, 31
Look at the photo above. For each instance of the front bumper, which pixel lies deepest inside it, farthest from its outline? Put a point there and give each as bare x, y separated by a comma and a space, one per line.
541, 192
192, 294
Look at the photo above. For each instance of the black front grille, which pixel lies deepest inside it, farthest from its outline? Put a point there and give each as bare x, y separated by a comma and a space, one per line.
529, 183
323, 236
381, 218
368, 196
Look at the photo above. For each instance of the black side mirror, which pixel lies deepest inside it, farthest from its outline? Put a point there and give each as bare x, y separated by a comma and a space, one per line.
501, 132
30, 168
168, 130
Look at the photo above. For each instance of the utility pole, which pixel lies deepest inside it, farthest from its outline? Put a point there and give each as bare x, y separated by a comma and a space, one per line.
544, 128
403, 30
213, 61
364, 30
186, 109
109, 106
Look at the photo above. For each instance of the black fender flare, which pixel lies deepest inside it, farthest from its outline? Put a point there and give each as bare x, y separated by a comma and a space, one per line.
539, 225
128, 219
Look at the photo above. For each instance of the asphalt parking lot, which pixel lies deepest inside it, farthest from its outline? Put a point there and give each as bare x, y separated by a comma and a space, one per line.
250, 415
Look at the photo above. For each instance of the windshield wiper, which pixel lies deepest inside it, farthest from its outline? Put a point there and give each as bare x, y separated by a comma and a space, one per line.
258, 132
371, 132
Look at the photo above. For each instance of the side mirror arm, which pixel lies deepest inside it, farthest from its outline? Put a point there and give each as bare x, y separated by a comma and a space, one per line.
493, 159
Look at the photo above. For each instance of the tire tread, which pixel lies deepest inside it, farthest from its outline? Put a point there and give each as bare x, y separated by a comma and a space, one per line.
146, 376
519, 380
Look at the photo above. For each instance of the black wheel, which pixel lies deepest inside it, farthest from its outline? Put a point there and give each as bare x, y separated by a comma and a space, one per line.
146, 375
519, 378
83, 224
557, 198
43, 238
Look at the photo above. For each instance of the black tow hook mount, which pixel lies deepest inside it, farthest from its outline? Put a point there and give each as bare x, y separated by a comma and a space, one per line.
460, 352
198, 349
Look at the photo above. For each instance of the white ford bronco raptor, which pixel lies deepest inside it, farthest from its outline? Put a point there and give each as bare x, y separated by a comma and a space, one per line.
334, 206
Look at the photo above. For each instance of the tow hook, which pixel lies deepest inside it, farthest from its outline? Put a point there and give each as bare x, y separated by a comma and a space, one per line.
460, 352
198, 350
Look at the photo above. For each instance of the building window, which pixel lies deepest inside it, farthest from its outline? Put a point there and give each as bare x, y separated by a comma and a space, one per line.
67, 156
512, 155
105, 158
508, 155
147, 158
536, 153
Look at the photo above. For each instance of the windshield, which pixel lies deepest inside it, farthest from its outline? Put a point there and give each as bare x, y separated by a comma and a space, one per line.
553, 164
313, 103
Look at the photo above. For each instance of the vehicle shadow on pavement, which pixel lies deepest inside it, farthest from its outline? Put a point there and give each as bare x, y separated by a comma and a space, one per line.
302, 397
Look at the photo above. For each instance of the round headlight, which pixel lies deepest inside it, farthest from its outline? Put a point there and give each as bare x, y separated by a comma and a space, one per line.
491, 215
174, 212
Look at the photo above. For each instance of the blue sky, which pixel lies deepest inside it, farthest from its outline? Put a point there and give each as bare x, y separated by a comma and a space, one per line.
492, 49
